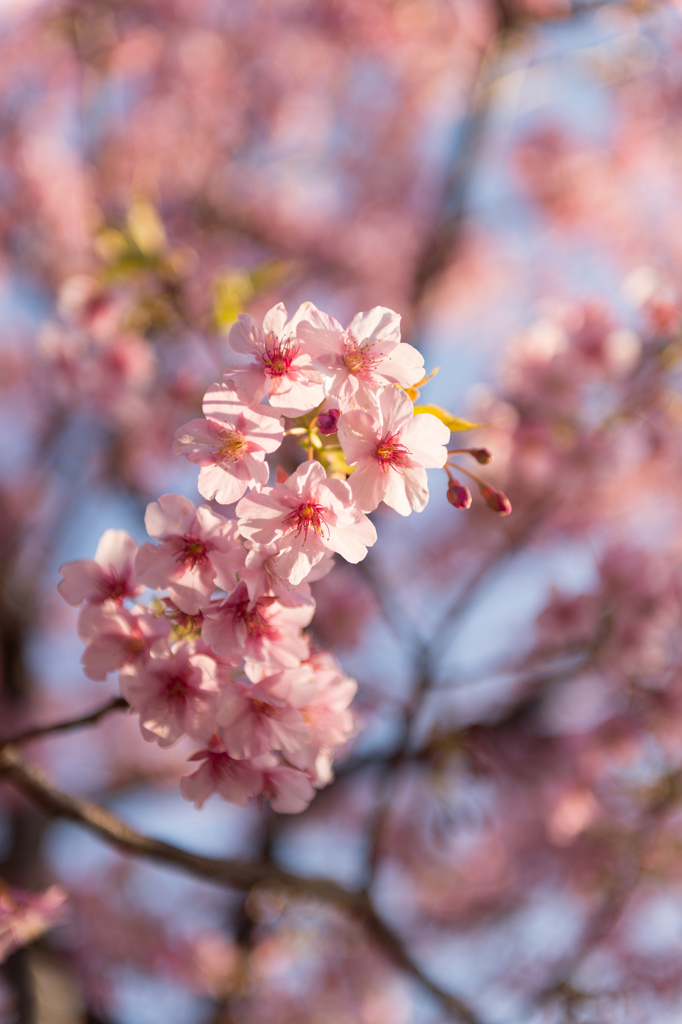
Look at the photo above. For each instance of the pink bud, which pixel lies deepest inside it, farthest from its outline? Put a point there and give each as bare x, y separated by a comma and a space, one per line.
326, 421
497, 501
482, 455
458, 495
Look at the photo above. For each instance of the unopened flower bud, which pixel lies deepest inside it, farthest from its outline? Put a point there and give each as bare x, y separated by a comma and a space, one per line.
497, 501
482, 455
327, 421
458, 495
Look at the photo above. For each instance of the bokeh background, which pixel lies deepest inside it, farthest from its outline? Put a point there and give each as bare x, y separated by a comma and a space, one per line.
507, 176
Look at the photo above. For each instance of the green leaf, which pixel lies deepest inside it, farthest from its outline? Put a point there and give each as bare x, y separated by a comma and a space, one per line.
454, 423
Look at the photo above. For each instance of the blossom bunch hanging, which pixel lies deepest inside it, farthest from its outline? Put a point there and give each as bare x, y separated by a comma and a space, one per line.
220, 654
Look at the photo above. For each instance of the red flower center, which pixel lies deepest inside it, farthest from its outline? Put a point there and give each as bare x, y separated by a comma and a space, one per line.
192, 551
134, 647
222, 765
261, 707
278, 356
390, 453
176, 693
252, 620
305, 517
114, 587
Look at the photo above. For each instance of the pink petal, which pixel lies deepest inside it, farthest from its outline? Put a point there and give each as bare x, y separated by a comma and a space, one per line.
80, 581
404, 365
116, 550
156, 565
197, 441
171, 516
369, 484
243, 334
378, 321
275, 320
358, 435
216, 484
426, 437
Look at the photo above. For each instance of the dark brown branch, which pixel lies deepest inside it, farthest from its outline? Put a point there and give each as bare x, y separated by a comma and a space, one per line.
234, 873
231, 873
445, 235
577, 9
115, 704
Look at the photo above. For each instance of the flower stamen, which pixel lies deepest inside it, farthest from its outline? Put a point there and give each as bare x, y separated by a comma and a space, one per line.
308, 516
193, 552
252, 620
232, 448
358, 358
176, 693
278, 356
263, 708
391, 454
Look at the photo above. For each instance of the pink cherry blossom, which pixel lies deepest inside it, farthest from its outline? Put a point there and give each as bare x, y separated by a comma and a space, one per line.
265, 633
357, 363
321, 694
230, 445
307, 516
326, 710
198, 548
116, 637
390, 450
288, 790
262, 580
235, 780
255, 718
174, 693
282, 368
110, 576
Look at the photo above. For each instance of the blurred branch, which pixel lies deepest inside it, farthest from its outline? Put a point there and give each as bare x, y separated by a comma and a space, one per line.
423, 685
441, 244
115, 704
574, 11
394, 616
232, 873
520, 709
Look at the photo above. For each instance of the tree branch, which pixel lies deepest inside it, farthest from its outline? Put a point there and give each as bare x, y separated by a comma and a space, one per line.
115, 704
231, 873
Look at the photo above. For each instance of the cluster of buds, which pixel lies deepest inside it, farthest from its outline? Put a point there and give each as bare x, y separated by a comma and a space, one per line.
220, 654
460, 496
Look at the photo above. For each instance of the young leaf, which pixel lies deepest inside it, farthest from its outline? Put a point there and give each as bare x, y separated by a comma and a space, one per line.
454, 423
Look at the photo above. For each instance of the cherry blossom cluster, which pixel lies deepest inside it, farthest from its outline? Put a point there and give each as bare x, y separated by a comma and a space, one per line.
220, 654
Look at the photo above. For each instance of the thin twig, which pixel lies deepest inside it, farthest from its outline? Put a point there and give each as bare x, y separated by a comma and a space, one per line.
395, 618
115, 704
